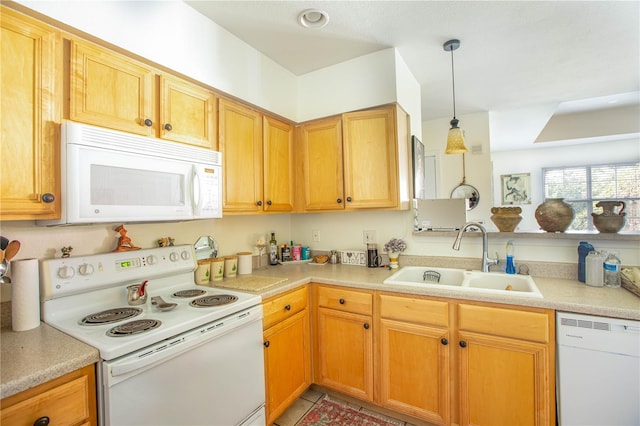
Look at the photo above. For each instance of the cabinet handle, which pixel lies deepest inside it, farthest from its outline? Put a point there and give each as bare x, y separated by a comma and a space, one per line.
341, 301
287, 308
259, 203
444, 341
463, 344
47, 198
42, 421
168, 127
148, 122
348, 199
339, 200
266, 344
366, 325
269, 202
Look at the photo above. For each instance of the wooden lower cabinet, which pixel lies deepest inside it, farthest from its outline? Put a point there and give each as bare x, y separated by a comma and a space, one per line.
68, 400
287, 351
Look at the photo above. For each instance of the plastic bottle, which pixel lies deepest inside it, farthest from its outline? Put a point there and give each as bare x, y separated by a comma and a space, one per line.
511, 267
594, 269
584, 248
612, 270
273, 250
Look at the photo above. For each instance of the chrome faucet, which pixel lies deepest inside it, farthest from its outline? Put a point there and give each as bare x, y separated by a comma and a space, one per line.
486, 261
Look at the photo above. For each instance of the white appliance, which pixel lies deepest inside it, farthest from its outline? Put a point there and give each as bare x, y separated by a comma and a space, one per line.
198, 363
598, 377
111, 176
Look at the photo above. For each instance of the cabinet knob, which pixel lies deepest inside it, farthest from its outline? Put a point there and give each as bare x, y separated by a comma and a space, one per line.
259, 203
366, 325
269, 203
341, 301
348, 199
148, 122
463, 344
287, 308
168, 127
339, 200
48, 198
266, 344
42, 421
444, 341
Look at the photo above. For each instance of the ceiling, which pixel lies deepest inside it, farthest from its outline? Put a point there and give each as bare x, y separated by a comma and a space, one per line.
522, 61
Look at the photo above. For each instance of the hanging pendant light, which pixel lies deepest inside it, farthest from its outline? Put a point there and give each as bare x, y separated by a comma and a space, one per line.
455, 139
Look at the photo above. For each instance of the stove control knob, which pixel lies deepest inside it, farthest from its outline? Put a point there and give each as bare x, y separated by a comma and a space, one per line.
173, 256
66, 272
152, 259
85, 269
185, 255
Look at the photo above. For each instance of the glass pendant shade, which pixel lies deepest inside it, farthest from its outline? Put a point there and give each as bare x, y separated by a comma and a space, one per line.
455, 140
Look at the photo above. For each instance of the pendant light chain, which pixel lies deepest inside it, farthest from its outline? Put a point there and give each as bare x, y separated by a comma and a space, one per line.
453, 85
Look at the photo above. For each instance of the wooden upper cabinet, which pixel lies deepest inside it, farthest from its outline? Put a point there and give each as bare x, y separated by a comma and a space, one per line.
30, 83
110, 90
240, 141
278, 165
187, 113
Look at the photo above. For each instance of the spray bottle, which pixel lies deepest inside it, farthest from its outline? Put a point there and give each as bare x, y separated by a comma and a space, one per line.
511, 267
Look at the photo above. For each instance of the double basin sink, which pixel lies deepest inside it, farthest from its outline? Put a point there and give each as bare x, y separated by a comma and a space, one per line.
466, 281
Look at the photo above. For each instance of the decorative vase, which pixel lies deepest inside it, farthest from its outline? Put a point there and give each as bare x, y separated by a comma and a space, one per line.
506, 218
609, 221
554, 215
393, 260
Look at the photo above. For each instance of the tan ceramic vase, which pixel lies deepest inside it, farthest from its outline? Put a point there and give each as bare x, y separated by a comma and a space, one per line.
554, 215
506, 218
609, 221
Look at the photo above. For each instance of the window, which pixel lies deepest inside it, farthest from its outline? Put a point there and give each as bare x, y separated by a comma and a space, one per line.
584, 186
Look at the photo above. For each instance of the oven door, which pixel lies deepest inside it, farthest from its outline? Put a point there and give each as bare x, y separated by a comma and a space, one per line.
211, 375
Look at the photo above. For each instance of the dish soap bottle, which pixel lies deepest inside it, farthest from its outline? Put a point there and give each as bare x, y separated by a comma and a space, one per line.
511, 267
273, 250
612, 270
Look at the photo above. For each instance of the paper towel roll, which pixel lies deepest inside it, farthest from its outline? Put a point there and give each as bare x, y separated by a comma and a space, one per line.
245, 258
25, 294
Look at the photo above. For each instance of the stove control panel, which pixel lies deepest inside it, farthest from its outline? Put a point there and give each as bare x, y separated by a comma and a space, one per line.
64, 276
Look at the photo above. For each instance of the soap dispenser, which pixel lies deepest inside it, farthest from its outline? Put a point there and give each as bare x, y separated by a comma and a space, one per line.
511, 267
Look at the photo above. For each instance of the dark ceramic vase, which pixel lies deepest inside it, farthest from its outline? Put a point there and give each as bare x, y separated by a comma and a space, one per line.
554, 215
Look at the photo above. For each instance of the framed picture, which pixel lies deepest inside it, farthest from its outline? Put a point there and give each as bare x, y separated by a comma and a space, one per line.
516, 188
418, 168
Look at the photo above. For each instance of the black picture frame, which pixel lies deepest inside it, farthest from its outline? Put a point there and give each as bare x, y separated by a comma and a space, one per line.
418, 168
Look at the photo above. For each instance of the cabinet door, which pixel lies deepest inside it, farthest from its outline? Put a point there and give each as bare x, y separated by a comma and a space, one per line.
414, 370
370, 159
187, 113
111, 91
30, 105
240, 139
278, 165
322, 165
287, 358
503, 381
345, 353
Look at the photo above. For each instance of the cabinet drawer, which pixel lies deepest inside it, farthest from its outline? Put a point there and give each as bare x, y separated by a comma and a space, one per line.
359, 302
65, 404
416, 310
526, 325
284, 306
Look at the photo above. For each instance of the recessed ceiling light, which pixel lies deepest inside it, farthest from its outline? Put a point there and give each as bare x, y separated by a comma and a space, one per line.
313, 18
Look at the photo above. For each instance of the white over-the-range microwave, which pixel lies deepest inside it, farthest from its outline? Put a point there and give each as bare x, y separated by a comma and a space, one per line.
111, 176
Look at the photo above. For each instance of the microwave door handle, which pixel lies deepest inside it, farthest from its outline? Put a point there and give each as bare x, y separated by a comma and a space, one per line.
195, 190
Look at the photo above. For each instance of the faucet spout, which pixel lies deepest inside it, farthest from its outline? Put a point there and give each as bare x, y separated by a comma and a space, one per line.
486, 261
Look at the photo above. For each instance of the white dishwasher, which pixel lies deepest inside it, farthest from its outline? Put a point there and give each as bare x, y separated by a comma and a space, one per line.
598, 370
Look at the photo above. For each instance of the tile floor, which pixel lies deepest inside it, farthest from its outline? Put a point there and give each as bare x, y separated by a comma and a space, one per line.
307, 400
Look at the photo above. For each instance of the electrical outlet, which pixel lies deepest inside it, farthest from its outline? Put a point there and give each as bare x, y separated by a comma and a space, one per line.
369, 236
315, 234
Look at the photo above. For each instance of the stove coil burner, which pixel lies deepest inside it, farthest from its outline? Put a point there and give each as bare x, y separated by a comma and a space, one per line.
213, 300
110, 316
189, 293
133, 327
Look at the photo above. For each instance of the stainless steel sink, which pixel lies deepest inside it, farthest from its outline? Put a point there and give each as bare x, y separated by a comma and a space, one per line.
462, 280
